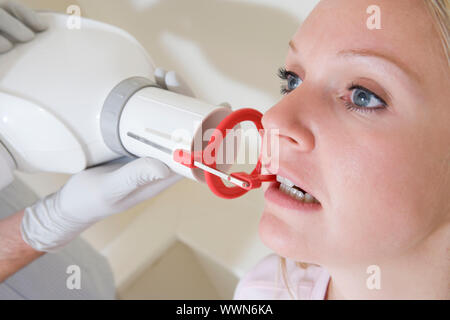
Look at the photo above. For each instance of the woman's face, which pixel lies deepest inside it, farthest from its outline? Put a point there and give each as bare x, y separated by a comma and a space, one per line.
365, 129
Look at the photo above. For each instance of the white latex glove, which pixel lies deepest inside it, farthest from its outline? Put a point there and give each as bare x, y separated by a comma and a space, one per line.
17, 24
96, 193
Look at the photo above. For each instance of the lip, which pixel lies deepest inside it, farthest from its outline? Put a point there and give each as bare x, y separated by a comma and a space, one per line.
284, 173
274, 195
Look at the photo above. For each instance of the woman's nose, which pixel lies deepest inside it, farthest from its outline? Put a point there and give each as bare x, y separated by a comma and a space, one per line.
290, 122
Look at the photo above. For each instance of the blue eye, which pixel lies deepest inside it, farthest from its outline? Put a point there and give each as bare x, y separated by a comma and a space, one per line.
365, 99
291, 80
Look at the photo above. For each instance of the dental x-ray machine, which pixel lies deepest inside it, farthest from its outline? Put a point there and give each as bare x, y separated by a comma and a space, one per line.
72, 99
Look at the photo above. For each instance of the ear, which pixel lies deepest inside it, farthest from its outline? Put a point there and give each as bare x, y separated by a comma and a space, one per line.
7, 166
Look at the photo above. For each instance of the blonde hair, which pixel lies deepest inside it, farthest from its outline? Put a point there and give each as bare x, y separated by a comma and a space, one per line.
440, 11
284, 273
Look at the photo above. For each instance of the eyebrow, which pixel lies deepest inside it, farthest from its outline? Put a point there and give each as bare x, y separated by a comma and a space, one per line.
371, 53
368, 53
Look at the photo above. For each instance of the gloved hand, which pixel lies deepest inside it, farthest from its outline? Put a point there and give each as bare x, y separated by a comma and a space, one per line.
17, 24
98, 192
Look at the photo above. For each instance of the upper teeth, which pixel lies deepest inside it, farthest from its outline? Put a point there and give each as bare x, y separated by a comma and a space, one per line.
285, 181
288, 187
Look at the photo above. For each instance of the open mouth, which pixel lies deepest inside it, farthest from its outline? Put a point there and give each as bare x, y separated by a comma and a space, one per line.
289, 188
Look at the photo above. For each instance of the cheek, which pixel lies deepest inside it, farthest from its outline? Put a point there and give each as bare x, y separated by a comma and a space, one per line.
378, 202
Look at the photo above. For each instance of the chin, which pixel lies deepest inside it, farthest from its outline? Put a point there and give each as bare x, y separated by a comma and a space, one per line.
282, 239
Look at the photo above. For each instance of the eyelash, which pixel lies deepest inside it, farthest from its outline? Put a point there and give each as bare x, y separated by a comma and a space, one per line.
284, 74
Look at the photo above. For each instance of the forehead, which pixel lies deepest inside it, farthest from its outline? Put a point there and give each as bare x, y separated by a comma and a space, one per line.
407, 32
